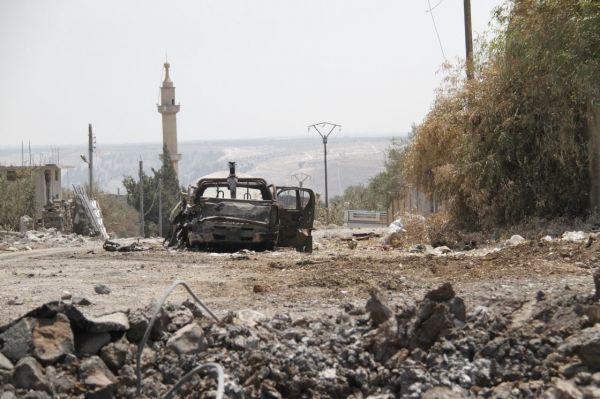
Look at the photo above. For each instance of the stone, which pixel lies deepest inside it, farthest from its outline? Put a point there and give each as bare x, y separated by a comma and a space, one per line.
249, 317
52, 339
593, 313
575, 236
87, 344
115, 354
377, 307
187, 340
138, 323
442, 393
98, 379
596, 276
179, 318
458, 309
435, 324
514, 240
29, 374
81, 301
60, 381
8, 395
102, 289
112, 322
66, 295
443, 293
563, 389
15, 301
6, 369
18, 340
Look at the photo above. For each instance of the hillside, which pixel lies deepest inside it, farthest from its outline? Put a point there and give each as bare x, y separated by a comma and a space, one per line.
351, 160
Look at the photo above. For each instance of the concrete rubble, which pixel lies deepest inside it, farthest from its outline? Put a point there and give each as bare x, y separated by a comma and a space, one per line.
42, 238
435, 347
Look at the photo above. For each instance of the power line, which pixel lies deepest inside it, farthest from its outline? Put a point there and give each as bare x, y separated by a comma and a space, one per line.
435, 27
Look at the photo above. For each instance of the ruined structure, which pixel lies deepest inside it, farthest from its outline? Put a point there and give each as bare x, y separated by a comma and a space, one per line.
46, 181
168, 109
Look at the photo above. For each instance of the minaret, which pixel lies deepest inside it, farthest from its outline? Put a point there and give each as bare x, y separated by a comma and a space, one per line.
168, 109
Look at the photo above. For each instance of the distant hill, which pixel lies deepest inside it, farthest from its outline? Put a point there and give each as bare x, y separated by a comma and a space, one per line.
350, 160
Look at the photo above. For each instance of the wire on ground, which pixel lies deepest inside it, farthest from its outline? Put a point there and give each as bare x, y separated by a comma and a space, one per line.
138, 371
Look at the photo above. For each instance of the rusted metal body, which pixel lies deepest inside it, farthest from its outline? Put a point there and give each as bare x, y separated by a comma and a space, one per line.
233, 212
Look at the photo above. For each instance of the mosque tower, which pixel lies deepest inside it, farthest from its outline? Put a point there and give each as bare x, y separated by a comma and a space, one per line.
168, 109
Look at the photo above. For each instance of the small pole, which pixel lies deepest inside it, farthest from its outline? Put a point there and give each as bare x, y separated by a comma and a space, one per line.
91, 158
469, 40
142, 232
160, 223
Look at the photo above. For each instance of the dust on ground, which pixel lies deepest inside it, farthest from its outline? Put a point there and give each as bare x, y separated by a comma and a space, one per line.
287, 281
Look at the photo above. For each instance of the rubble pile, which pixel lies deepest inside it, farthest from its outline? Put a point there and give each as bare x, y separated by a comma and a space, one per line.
436, 347
32, 239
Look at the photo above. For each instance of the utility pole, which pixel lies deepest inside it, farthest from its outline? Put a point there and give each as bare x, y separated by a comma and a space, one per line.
91, 158
142, 233
469, 40
160, 225
324, 136
301, 178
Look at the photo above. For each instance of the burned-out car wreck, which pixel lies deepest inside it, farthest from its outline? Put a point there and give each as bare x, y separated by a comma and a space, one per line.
230, 212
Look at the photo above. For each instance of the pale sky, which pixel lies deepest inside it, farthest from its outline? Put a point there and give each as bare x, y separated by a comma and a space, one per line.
242, 68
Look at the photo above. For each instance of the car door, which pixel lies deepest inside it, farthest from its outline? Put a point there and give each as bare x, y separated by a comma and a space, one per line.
296, 216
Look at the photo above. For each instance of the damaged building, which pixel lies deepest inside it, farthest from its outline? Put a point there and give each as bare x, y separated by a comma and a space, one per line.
46, 182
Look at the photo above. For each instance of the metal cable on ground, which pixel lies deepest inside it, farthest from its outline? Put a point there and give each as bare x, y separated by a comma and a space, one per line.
189, 375
138, 371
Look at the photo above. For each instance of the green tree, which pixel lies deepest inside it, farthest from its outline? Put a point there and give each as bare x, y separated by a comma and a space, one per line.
170, 190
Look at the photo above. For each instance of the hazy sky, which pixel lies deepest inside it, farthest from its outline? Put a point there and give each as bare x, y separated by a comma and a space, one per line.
242, 68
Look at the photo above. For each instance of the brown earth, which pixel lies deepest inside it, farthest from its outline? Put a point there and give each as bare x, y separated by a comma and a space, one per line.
286, 281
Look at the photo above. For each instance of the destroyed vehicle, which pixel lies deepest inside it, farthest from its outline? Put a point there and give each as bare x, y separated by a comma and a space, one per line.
234, 212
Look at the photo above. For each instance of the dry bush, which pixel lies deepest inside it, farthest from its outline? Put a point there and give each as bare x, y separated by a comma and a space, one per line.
17, 198
512, 144
120, 219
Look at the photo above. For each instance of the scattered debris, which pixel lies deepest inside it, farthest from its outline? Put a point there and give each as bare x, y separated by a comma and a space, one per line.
432, 348
113, 246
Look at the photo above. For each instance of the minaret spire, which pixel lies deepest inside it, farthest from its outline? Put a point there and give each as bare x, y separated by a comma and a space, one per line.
168, 109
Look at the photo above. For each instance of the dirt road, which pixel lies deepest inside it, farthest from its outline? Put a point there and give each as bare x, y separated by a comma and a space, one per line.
286, 281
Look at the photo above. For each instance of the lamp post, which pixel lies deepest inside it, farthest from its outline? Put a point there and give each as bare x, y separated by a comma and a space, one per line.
329, 128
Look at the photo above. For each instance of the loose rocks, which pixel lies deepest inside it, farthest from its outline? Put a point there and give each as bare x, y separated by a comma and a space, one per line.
52, 339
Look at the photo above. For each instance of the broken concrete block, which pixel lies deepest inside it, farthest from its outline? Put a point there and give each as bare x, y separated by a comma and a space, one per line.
29, 374
52, 339
187, 340
443, 293
138, 323
6, 369
377, 307
98, 379
87, 344
115, 354
18, 340
108, 323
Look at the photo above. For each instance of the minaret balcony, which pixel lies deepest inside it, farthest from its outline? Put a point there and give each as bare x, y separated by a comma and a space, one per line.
168, 108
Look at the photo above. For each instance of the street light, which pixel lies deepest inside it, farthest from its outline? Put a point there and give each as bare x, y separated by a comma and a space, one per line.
324, 127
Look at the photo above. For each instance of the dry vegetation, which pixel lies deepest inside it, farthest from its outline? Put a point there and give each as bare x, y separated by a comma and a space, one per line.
512, 143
